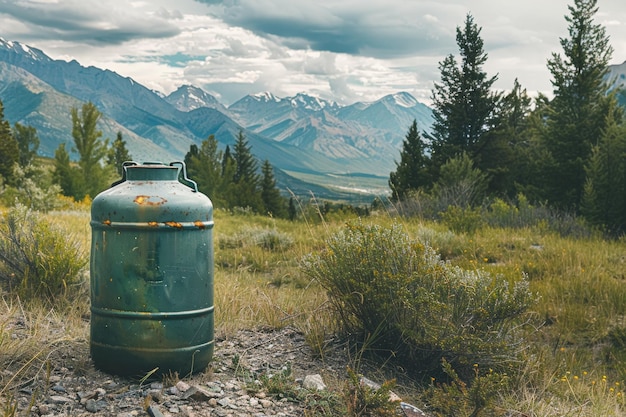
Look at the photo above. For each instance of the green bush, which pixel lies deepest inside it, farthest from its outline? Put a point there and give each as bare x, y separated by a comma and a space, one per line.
365, 401
455, 398
463, 220
37, 260
397, 293
34, 190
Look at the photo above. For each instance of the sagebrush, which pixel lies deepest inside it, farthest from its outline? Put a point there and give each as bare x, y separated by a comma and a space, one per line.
37, 260
397, 293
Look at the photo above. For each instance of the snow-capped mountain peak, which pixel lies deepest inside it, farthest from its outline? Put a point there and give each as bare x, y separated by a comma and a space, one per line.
305, 101
265, 97
189, 97
21, 49
403, 99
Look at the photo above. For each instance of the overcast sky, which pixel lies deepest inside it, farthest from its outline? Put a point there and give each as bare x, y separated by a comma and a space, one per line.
343, 50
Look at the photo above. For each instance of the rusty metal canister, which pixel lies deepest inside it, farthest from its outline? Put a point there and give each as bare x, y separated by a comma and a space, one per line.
151, 273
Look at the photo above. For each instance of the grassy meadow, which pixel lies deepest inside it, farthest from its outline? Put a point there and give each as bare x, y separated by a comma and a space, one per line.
574, 357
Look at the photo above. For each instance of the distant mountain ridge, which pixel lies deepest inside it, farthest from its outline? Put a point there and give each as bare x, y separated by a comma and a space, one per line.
616, 76
312, 143
303, 136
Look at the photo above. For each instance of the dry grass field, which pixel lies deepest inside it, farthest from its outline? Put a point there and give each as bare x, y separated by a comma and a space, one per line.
574, 361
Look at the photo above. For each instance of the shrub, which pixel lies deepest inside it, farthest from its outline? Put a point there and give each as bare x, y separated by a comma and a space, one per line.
37, 260
463, 220
456, 399
365, 401
33, 190
399, 295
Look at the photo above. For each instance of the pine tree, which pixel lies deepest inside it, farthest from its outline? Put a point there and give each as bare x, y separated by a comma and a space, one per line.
463, 104
193, 151
9, 150
204, 166
412, 171
504, 156
578, 111
227, 160
245, 162
91, 150
28, 143
291, 209
272, 200
118, 154
228, 173
65, 175
604, 193
246, 179
460, 183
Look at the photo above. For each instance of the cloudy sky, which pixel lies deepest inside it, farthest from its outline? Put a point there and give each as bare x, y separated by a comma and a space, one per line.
343, 50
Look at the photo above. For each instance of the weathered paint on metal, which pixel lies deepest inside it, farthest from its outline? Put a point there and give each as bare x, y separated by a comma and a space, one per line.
152, 274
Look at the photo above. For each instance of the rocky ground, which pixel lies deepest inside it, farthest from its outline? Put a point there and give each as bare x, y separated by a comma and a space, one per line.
226, 388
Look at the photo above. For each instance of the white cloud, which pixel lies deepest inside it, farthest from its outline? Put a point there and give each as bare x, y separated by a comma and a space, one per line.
343, 50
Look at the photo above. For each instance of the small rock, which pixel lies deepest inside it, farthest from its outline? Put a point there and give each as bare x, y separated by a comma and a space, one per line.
91, 405
156, 385
182, 386
266, 403
110, 384
314, 382
86, 395
59, 388
214, 386
156, 395
153, 411
59, 399
130, 414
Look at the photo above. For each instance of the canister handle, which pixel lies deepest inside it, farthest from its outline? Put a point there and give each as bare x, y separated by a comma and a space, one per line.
182, 177
124, 165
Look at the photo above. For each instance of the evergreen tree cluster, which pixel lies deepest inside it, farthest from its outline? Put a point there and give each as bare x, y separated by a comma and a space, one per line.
232, 179
568, 152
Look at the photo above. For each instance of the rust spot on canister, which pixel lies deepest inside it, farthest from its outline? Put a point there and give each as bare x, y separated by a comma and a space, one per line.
153, 224
106, 222
199, 224
174, 224
146, 200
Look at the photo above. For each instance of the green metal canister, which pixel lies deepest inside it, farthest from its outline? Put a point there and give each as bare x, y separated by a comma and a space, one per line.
151, 273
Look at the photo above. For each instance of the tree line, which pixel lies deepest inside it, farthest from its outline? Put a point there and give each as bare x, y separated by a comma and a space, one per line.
229, 179
568, 151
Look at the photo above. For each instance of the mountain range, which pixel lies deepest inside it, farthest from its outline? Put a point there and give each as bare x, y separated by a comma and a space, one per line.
315, 146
